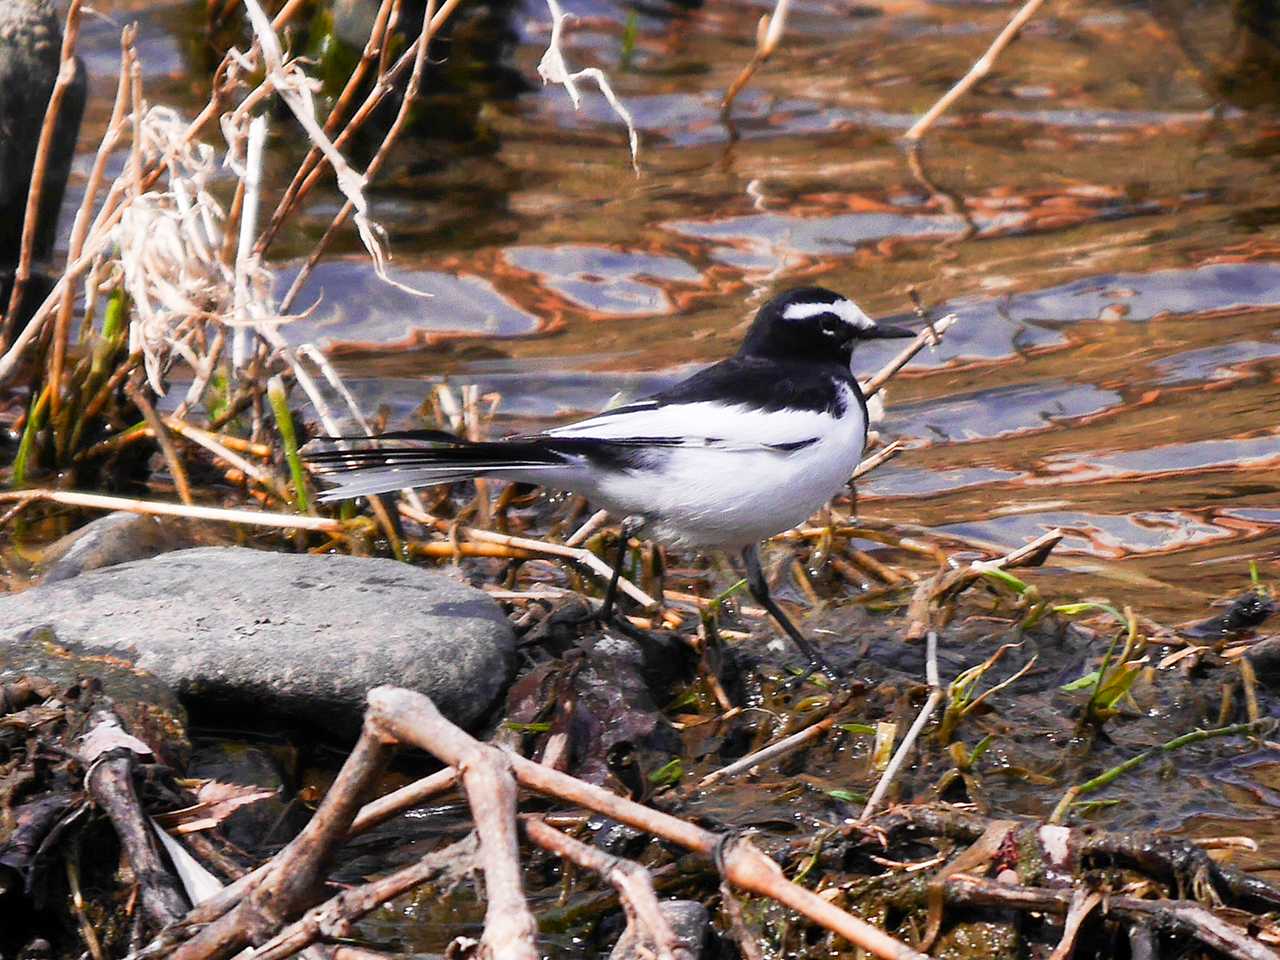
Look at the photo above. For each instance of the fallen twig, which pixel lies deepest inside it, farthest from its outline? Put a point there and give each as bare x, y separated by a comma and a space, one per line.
936, 693
773, 751
930, 336
336, 917
108, 753
1175, 916
630, 879
981, 67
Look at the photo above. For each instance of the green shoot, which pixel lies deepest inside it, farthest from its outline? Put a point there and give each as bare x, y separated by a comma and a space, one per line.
284, 422
668, 774
960, 693
27, 445
857, 729
629, 34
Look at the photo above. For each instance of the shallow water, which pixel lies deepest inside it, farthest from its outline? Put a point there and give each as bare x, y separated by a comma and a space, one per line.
1106, 228
1115, 368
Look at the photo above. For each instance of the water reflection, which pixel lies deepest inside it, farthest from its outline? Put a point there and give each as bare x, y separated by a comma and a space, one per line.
602, 279
1113, 367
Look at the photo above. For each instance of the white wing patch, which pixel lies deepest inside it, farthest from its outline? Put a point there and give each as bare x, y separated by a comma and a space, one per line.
846, 310
706, 423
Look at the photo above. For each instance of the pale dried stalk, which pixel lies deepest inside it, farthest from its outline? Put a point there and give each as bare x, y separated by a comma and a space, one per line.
768, 35
211, 443
930, 336
66, 77
773, 751
80, 226
936, 693
981, 67
97, 501
883, 455
353, 202
294, 88
252, 181
553, 69
372, 49
577, 554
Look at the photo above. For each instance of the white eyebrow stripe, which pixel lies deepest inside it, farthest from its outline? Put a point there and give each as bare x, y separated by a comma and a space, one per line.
846, 310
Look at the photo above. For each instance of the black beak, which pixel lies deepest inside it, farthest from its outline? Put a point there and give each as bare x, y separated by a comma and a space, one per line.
882, 332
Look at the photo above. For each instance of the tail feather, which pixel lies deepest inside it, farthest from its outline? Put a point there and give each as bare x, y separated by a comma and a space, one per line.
373, 470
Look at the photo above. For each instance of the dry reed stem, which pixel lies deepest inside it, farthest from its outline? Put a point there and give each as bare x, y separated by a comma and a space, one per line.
553, 69
375, 164
630, 879
97, 501
768, 35
372, 51
936, 694
542, 547
930, 336
593, 525
881, 456
66, 76
981, 67
408, 716
773, 751
176, 470
210, 442
80, 226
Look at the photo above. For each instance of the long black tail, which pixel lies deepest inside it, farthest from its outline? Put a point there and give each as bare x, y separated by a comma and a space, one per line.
366, 471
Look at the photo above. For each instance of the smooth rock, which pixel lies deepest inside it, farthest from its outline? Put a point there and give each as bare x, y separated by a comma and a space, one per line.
267, 638
116, 538
688, 920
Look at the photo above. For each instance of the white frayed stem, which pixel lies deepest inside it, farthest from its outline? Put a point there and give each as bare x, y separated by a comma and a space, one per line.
241, 337
553, 69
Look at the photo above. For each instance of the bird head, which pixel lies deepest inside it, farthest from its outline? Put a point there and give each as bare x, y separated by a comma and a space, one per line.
813, 323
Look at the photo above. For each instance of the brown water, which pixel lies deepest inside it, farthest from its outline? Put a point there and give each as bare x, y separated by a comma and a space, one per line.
1115, 370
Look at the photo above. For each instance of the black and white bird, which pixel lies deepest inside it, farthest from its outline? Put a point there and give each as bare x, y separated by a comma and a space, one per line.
740, 451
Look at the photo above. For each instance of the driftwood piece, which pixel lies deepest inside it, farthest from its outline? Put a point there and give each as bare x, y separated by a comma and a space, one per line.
291, 883
334, 917
110, 755
645, 921
1183, 917
406, 716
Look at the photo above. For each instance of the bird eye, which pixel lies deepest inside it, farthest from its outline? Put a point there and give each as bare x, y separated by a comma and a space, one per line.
832, 325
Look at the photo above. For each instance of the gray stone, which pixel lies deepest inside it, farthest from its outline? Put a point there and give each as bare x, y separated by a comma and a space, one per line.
116, 538
689, 922
269, 637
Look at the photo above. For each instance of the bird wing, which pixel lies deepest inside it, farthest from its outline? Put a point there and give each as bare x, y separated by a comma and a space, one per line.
708, 424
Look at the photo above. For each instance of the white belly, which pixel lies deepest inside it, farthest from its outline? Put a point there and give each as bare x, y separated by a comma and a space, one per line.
732, 498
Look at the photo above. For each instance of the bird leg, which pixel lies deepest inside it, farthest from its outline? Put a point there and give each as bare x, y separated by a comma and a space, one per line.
631, 525
759, 588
